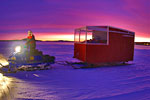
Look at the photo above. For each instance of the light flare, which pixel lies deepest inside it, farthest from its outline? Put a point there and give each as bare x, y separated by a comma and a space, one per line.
1, 76
3, 62
4, 84
18, 49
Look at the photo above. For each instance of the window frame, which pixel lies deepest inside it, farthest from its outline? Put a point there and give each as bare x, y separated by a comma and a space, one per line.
86, 31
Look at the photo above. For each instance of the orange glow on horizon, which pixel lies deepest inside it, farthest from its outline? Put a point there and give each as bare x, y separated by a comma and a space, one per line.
70, 37
142, 39
67, 37
60, 36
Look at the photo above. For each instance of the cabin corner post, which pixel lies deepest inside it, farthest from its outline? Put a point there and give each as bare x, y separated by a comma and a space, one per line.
107, 35
86, 35
74, 35
86, 44
134, 36
79, 34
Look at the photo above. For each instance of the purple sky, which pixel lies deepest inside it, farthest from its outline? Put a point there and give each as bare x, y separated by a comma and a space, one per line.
51, 19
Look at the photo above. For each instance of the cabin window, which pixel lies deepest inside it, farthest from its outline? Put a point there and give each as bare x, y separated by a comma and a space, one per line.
97, 37
91, 36
82, 36
76, 38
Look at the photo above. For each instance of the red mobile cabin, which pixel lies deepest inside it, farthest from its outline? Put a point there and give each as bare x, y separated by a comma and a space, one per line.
103, 44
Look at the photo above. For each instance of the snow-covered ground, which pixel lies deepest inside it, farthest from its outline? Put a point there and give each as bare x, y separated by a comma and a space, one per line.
129, 82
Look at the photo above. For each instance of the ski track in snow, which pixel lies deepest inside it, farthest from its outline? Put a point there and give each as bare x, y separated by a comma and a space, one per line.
129, 82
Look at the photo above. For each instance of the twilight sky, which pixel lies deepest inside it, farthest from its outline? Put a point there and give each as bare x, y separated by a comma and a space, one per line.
57, 19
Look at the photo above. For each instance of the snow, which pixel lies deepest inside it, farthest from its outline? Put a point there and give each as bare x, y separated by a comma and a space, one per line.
129, 82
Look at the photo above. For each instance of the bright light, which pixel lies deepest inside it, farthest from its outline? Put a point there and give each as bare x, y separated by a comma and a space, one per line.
5, 83
18, 49
3, 61
1, 76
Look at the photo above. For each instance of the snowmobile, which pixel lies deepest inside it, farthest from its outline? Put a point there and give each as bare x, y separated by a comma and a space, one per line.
27, 60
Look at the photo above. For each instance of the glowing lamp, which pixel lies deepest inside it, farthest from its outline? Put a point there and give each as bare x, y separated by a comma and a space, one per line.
18, 49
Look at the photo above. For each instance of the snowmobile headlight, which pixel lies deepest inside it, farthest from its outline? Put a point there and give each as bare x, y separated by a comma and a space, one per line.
18, 49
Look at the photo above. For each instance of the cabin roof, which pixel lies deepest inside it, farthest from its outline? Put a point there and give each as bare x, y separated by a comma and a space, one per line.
106, 28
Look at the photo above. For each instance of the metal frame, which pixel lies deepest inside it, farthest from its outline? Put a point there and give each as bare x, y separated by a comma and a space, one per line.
107, 35
107, 29
86, 30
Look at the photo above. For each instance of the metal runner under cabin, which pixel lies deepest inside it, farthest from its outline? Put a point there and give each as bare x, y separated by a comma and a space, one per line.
103, 44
